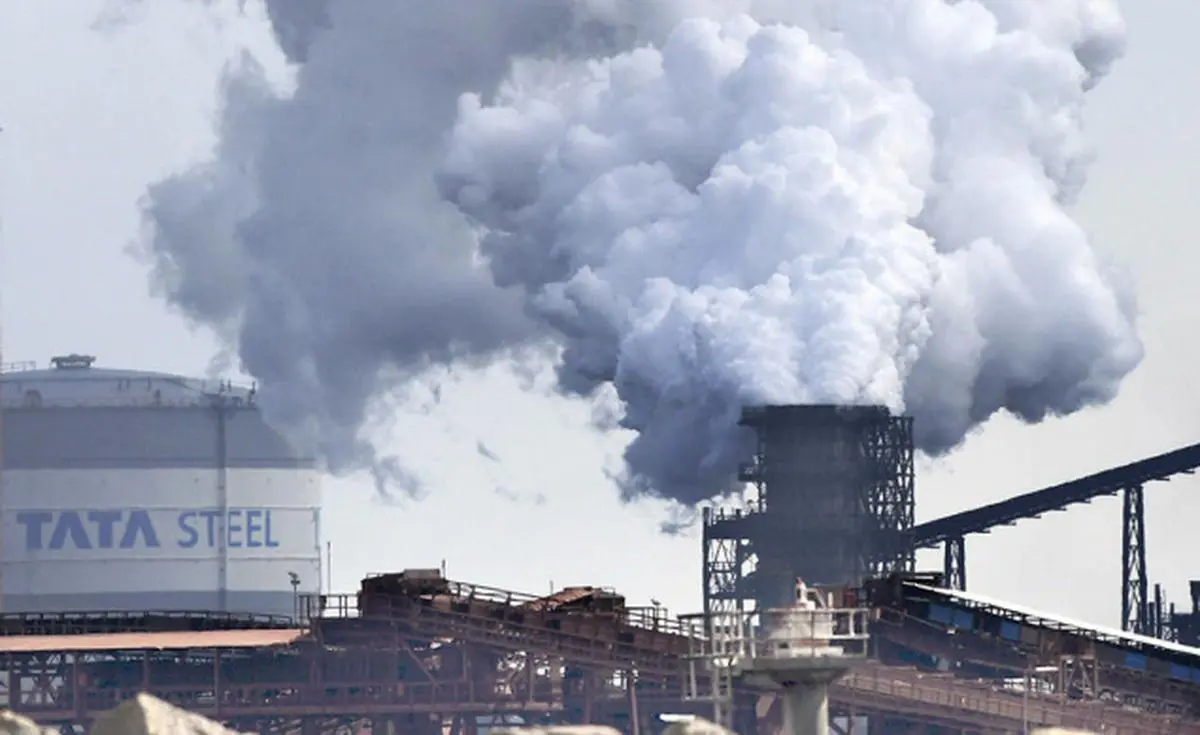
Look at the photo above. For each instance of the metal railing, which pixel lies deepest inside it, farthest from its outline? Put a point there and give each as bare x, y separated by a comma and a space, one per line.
743, 637
14, 402
602, 639
890, 687
125, 621
312, 607
653, 619
713, 516
726, 645
121, 391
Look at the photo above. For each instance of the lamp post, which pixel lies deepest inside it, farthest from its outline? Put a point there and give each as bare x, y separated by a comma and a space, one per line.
294, 579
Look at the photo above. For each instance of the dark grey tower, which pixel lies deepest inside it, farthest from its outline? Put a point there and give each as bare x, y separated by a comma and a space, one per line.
835, 505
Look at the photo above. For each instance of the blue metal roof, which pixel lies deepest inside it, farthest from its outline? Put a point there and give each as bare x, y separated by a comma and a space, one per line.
1059, 622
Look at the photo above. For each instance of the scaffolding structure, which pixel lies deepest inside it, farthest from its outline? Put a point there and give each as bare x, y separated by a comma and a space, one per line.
833, 504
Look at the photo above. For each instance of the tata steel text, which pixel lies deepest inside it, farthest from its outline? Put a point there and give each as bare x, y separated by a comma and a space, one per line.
249, 528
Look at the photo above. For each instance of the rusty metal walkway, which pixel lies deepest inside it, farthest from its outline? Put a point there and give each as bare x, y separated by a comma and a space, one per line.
508, 621
957, 701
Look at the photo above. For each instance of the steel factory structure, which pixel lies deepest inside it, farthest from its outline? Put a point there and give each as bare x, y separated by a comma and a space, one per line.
130, 490
834, 505
414, 652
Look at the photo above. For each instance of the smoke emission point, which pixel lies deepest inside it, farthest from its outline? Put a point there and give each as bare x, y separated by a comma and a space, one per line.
754, 213
702, 205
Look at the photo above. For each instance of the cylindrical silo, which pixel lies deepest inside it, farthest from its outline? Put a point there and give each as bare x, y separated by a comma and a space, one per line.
125, 490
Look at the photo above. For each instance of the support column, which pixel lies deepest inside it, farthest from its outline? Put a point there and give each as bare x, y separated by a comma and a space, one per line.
806, 709
955, 563
1133, 562
635, 721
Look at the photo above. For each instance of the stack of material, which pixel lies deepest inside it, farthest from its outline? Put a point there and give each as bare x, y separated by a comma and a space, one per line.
143, 715
14, 724
146, 715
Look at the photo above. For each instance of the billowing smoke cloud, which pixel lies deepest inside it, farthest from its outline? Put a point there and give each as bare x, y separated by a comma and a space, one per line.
316, 242
763, 213
706, 204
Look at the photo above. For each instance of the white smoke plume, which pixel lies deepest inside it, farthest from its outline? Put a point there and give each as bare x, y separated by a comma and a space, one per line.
315, 242
706, 204
765, 213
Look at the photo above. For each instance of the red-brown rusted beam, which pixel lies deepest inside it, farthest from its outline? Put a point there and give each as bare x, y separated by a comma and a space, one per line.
471, 651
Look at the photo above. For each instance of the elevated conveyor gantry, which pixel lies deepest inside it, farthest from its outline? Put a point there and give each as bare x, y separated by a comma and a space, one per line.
1129, 479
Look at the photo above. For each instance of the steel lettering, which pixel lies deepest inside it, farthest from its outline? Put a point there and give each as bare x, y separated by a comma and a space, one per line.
132, 528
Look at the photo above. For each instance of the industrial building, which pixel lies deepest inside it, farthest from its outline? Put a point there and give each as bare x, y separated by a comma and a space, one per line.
414, 652
833, 504
126, 490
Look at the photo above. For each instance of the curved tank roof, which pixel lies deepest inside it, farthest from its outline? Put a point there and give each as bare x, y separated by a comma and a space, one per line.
73, 380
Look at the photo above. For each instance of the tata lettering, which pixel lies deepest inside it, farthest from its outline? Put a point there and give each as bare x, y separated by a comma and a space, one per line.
248, 528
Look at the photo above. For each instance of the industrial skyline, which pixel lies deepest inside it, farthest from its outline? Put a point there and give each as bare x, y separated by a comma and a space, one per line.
334, 201
1004, 460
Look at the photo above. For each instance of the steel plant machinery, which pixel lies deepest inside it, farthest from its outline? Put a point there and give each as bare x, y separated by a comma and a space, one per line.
418, 654
834, 506
126, 490
795, 652
1139, 612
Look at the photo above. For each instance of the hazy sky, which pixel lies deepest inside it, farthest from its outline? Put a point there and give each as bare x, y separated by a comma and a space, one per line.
91, 115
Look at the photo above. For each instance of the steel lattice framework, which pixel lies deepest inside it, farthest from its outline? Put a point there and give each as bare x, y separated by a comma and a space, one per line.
431, 656
834, 503
1138, 612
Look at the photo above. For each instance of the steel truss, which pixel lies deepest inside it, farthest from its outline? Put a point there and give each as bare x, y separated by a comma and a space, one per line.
1138, 613
955, 563
1057, 669
1135, 616
742, 546
428, 662
890, 496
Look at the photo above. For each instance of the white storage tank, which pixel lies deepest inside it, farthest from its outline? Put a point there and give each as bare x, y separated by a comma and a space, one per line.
125, 490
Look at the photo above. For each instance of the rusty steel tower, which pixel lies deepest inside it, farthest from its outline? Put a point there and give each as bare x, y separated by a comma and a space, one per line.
834, 505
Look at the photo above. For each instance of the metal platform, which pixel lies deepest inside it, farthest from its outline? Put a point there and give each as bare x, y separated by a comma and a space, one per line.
421, 656
798, 648
109, 621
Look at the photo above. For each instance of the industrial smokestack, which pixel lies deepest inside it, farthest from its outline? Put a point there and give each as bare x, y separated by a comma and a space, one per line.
835, 497
707, 205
